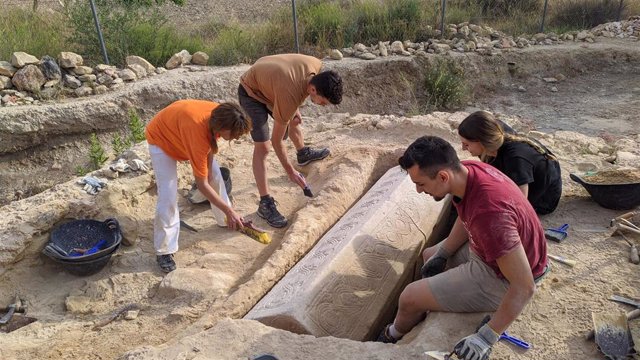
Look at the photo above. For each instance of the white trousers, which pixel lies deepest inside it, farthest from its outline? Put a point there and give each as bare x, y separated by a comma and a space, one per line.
166, 225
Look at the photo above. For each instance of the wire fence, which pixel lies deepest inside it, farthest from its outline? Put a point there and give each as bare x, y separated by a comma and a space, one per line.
513, 17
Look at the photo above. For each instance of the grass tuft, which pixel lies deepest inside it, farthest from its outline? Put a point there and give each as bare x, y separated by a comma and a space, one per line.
445, 85
37, 34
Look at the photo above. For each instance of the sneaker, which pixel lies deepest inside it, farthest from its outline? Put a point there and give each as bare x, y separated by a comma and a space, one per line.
166, 262
307, 155
385, 337
268, 211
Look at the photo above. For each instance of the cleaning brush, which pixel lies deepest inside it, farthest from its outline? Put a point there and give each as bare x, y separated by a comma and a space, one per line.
255, 233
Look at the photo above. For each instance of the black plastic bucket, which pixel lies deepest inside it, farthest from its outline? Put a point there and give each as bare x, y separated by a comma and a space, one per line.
69, 243
612, 196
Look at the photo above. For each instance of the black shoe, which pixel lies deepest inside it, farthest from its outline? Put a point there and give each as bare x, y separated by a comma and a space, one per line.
385, 337
166, 262
307, 155
268, 211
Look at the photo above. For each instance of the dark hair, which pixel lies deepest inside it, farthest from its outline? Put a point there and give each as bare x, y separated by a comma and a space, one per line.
328, 84
482, 126
228, 116
431, 154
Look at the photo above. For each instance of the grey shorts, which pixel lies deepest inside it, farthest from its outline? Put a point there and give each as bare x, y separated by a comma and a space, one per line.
259, 114
469, 284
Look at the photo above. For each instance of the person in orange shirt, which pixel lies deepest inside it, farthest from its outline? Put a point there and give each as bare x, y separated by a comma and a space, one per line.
277, 85
189, 130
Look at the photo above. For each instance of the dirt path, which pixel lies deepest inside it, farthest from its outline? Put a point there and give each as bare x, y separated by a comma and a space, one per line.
596, 104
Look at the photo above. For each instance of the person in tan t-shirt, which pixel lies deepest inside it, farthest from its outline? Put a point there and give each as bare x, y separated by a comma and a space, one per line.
189, 130
277, 85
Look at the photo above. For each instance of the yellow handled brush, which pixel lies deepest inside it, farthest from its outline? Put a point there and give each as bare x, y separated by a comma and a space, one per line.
255, 233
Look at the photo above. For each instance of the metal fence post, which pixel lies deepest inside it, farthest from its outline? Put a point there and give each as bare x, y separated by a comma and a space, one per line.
620, 10
295, 25
444, 9
544, 15
95, 18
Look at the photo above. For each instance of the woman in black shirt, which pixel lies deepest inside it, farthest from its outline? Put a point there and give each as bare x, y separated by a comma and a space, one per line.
526, 161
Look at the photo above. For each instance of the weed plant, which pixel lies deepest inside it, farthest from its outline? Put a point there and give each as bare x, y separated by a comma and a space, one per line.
120, 145
81, 170
96, 152
136, 126
445, 85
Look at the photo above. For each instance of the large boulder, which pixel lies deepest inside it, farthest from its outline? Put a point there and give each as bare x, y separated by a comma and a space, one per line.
29, 78
179, 59
21, 59
5, 82
69, 60
137, 60
200, 58
6, 69
50, 68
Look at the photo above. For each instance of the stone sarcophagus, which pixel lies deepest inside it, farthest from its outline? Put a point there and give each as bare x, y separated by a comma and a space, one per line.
348, 284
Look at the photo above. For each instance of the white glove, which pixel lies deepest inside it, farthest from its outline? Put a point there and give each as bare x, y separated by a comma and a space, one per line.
120, 166
477, 346
138, 165
92, 184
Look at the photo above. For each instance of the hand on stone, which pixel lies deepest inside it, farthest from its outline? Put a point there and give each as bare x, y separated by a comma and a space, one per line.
477, 346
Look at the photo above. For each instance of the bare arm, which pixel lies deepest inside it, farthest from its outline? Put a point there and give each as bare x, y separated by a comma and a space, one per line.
525, 189
457, 237
515, 268
234, 221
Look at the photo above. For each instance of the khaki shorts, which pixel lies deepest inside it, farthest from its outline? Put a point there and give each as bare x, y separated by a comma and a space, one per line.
469, 284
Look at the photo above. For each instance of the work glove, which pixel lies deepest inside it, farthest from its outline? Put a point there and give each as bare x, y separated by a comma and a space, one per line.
138, 165
120, 166
478, 345
92, 184
436, 264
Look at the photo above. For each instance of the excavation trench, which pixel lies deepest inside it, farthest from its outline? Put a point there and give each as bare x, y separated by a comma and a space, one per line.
225, 274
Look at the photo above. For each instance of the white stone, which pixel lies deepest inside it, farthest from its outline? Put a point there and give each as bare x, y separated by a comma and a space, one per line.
137, 60
335, 54
367, 56
6, 69
68, 59
20, 59
397, 47
200, 58
82, 70
178, 59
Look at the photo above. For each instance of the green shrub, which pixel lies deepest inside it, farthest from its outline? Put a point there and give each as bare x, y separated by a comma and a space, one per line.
367, 23
120, 145
234, 45
405, 18
81, 170
584, 14
128, 28
136, 126
323, 24
35, 33
96, 152
445, 85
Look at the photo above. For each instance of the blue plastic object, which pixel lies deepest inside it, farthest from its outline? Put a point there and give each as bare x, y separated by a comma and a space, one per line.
514, 340
97, 247
558, 234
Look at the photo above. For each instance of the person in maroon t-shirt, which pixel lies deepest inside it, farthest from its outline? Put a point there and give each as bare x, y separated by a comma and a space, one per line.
493, 255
